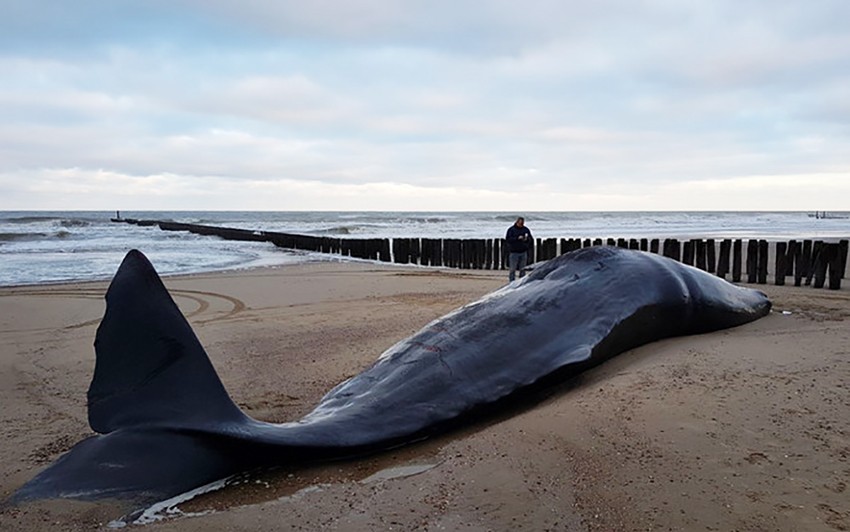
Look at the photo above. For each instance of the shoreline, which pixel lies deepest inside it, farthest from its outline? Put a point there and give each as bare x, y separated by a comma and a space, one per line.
312, 258
740, 429
76, 245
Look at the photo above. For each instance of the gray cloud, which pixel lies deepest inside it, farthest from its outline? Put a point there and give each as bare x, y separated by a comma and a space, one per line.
593, 98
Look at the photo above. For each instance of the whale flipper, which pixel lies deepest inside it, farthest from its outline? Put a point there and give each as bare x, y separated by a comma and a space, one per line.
151, 369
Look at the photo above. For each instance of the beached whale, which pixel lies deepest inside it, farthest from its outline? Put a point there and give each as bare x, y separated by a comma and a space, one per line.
167, 425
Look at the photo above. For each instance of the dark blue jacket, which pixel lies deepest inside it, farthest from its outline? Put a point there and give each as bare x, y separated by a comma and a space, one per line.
515, 245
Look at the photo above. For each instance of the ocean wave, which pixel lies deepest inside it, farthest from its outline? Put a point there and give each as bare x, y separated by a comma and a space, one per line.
428, 220
41, 219
341, 230
74, 222
29, 219
12, 237
512, 217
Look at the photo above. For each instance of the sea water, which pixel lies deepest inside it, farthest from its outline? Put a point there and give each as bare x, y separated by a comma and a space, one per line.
39, 247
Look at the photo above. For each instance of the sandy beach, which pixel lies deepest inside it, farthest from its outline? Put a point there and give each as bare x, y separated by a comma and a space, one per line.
744, 429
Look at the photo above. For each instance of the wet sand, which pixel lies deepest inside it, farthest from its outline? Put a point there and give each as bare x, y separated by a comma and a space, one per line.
743, 429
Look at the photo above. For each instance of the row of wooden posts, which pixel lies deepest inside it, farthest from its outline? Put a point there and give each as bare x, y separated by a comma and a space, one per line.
810, 262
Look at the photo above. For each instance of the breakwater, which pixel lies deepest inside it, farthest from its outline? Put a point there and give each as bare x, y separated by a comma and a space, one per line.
817, 263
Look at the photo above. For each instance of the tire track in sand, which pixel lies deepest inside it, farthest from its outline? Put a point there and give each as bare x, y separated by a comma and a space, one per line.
207, 301
218, 306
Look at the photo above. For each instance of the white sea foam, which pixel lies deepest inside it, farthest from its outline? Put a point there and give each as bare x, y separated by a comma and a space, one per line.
168, 508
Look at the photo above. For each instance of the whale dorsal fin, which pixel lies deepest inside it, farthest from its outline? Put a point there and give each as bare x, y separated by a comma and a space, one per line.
151, 369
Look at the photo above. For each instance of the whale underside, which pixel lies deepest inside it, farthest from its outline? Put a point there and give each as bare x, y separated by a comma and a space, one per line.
166, 424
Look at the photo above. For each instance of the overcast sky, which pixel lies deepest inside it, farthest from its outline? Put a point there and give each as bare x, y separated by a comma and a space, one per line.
425, 105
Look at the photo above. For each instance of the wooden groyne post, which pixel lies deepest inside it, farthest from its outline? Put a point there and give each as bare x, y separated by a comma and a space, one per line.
814, 263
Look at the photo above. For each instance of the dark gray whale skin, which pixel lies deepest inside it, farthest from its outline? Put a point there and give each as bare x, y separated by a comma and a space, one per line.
166, 424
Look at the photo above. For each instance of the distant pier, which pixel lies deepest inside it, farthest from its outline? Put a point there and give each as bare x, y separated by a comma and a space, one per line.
816, 263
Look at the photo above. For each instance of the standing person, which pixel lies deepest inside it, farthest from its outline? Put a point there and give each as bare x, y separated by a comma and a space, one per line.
519, 241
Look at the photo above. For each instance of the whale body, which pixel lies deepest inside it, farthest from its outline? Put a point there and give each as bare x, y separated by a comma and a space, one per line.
166, 424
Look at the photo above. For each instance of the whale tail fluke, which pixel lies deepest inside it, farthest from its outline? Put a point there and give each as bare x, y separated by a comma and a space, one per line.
151, 370
153, 378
